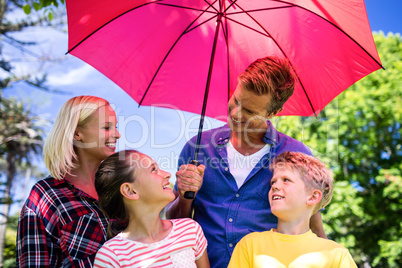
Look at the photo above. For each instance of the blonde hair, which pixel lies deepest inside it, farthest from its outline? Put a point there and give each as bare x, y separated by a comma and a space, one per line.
58, 149
312, 171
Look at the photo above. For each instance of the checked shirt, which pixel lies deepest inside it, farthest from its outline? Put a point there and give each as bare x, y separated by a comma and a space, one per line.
59, 226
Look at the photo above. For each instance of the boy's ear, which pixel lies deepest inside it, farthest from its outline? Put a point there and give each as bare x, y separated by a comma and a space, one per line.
128, 191
315, 197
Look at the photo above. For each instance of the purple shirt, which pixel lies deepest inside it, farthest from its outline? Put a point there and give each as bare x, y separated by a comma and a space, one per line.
225, 212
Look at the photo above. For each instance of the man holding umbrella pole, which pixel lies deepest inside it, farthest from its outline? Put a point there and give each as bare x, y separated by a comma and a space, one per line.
231, 199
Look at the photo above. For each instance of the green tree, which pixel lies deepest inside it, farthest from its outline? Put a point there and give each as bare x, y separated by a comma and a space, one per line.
359, 136
46, 5
11, 243
21, 137
20, 132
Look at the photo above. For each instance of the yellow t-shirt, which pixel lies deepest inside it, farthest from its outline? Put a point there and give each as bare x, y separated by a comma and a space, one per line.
275, 250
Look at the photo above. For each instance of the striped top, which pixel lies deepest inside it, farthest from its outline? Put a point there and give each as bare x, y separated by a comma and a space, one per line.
181, 248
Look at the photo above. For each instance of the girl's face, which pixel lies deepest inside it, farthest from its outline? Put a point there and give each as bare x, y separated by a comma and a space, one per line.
97, 138
151, 182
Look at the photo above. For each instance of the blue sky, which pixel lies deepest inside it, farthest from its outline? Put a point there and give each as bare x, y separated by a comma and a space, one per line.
385, 15
158, 132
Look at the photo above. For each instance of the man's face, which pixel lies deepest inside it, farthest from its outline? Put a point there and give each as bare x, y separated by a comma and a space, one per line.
248, 111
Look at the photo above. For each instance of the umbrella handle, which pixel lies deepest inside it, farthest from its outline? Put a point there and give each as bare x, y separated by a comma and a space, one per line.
191, 194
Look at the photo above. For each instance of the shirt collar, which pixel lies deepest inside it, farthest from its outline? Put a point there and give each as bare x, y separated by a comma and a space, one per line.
65, 183
223, 135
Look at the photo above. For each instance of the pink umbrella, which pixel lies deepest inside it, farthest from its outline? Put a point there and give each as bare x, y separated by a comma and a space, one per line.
172, 53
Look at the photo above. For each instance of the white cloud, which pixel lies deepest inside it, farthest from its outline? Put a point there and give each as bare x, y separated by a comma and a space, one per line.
79, 74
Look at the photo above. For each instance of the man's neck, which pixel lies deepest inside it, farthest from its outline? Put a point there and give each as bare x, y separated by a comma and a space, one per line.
247, 144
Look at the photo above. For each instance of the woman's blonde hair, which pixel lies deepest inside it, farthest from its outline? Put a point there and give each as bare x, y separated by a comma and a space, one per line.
58, 149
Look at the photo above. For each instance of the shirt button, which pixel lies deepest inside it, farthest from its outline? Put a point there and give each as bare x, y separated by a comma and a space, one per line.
237, 195
230, 245
226, 169
230, 220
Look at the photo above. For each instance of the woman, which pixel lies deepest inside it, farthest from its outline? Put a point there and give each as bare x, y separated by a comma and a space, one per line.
132, 192
61, 224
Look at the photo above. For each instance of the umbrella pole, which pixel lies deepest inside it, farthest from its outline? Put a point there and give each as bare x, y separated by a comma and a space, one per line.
204, 105
190, 194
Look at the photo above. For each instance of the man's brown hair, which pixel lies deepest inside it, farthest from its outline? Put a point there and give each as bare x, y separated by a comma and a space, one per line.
270, 75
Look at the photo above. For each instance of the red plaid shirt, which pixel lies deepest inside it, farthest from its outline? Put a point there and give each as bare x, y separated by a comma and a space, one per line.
59, 226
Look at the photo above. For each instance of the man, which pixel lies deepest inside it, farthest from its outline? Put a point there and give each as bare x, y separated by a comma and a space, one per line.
232, 198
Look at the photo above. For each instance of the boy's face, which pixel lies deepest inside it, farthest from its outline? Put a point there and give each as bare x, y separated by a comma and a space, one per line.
288, 195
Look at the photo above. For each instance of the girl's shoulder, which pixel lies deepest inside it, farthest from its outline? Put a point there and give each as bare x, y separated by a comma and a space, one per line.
118, 242
183, 221
186, 225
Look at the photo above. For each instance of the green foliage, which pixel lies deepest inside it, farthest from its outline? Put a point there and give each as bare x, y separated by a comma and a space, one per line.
9, 254
45, 5
359, 135
391, 251
27, 9
20, 132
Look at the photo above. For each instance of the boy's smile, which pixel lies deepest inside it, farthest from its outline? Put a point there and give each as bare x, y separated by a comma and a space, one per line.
276, 197
288, 193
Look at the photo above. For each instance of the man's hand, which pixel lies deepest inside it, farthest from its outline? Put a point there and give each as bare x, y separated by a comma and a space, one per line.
189, 178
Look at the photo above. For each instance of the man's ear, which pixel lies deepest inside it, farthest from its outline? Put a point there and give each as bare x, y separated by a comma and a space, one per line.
128, 191
315, 197
274, 113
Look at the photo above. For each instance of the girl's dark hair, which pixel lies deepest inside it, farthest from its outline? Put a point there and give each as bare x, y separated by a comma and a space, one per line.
115, 170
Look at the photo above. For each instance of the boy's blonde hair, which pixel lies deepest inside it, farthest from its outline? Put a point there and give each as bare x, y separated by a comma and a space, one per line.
312, 171
58, 149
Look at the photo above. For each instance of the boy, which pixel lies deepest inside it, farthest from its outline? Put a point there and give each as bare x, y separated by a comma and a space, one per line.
301, 185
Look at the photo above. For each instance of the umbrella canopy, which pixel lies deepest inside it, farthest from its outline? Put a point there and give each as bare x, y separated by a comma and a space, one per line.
168, 53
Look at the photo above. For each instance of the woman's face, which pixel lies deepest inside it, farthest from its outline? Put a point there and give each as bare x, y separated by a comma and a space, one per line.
97, 138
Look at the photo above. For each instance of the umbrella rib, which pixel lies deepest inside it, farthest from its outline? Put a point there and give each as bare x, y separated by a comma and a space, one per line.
226, 34
190, 8
89, 35
336, 26
248, 27
198, 25
283, 52
168, 53
258, 10
231, 4
211, 5
154, 2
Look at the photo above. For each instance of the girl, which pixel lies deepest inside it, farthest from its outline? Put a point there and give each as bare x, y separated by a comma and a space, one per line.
132, 192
